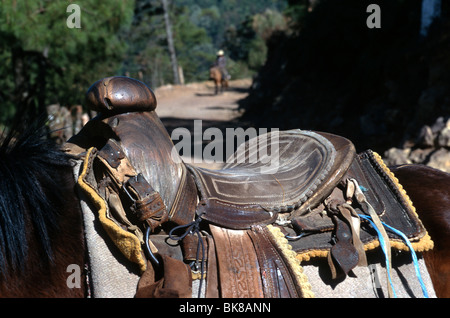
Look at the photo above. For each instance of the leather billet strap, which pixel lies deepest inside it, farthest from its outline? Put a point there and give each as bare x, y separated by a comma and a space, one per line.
145, 203
347, 251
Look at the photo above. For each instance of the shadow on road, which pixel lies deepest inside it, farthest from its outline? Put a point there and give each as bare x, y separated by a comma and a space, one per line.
236, 89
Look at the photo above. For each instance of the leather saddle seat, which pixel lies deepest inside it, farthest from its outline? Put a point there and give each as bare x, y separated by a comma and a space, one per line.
302, 169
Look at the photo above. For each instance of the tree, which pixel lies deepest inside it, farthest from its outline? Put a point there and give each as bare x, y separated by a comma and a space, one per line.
148, 56
173, 54
46, 61
247, 42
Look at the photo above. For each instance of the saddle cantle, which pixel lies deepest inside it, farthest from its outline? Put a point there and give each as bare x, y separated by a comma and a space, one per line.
247, 225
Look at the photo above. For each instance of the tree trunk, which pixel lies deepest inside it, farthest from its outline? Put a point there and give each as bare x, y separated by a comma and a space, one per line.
173, 55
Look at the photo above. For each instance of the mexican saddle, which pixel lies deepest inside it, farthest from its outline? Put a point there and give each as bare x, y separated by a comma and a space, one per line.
243, 230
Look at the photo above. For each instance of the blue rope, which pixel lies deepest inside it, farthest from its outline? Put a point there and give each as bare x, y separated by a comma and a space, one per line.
414, 257
383, 248
408, 243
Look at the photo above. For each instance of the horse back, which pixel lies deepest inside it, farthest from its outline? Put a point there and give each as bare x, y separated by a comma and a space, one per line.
429, 190
41, 228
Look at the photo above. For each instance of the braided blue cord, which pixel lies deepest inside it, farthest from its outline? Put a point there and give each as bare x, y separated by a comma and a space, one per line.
408, 243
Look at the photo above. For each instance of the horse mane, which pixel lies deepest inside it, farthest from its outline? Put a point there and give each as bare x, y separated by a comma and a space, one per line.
30, 193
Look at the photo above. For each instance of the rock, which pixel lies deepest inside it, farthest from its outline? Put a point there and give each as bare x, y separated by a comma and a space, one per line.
420, 155
443, 138
426, 137
396, 156
438, 125
431, 147
440, 159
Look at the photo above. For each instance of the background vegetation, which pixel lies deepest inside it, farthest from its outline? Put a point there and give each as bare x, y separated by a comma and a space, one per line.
45, 62
316, 65
377, 87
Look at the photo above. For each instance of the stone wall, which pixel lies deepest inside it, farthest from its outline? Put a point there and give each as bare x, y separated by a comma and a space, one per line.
431, 147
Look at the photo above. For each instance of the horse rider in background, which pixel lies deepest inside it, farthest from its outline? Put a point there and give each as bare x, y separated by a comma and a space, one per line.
221, 63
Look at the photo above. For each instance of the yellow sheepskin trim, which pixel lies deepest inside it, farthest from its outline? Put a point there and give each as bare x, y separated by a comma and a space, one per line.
306, 256
294, 263
127, 243
423, 244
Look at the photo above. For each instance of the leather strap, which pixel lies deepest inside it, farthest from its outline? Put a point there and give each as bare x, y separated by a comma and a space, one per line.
367, 207
176, 281
212, 283
146, 203
185, 202
238, 265
277, 277
342, 252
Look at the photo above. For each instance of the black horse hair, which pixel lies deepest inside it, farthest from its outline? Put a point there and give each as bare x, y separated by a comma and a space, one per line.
30, 193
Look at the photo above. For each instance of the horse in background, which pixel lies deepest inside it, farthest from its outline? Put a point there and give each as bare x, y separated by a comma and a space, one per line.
220, 83
41, 229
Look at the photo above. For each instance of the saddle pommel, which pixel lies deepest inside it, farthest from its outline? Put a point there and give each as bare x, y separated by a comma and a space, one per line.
120, 94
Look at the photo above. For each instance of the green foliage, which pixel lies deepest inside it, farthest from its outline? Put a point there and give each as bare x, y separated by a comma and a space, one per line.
194, 47
200, 29
148, 57
296, 13
247, 42
45, 61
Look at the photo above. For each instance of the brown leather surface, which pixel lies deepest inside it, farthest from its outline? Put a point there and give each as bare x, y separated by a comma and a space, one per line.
120, 94
212, 283
345, 154
146, 143
396, 212
235, 203
343, 252
185, 203
189, 245
238, 267
241, 194
277, 278
176, 281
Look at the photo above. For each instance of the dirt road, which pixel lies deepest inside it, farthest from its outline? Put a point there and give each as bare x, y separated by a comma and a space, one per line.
183, 106
198, 101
